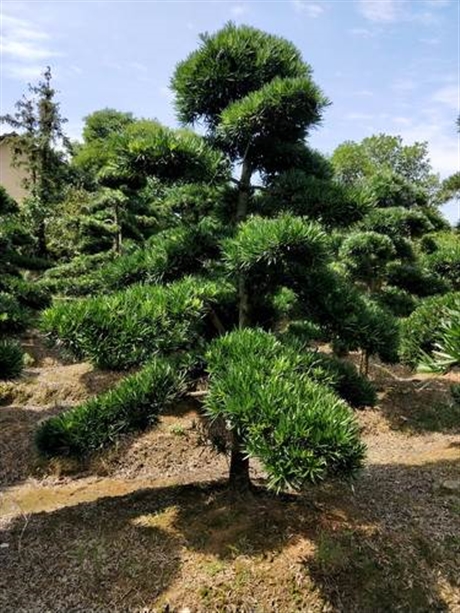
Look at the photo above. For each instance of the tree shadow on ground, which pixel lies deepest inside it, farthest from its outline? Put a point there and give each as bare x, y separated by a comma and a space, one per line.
369, 552
420, 406
18, 458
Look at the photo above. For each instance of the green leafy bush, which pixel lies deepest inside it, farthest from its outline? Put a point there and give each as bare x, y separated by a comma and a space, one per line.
396, 300
320, 199
262, 244
444, 258
29, 294
13, 317
446, 352
420, 331
134, 404
168, 256
299, 429
11, 359
396, 221
127, 328
366, 255
415, 279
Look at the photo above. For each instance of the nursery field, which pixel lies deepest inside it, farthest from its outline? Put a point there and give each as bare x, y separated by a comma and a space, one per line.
150, 524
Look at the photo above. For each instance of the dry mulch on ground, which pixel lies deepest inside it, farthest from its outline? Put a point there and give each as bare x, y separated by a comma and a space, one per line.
150, 525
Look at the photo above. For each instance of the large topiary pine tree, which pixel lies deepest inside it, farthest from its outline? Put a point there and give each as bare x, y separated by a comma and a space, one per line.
219, 289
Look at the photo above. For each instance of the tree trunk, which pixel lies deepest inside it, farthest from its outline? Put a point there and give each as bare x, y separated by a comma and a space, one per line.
241, 214
118, 239
42, 249
239, 466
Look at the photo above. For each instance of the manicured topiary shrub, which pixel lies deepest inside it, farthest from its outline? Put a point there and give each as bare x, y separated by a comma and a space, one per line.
133, 404
299, 429
396, 300
11, 359
416, 280
127, 328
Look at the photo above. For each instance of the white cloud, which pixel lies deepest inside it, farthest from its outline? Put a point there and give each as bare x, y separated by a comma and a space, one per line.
312, 9
384, 11
402, 121
23, 45
22, 72
404, 85
363, 92
238, 10
362, 32
449, 95
438, 3
430, 41
359, 116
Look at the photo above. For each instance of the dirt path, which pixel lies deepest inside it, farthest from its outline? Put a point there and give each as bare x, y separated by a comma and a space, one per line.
149, 525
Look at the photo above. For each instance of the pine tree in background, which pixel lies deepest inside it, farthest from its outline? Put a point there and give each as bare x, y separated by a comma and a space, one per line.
40, 147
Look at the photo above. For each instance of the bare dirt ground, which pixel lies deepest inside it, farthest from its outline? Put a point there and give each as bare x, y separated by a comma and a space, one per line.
150, 525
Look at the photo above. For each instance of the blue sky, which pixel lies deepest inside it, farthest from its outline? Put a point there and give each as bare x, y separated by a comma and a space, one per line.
387, 65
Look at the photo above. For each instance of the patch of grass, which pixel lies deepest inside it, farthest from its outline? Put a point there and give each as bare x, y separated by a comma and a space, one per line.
177, 429
214, 567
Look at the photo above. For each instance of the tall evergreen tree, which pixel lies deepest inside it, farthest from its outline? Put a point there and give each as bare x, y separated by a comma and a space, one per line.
40, 147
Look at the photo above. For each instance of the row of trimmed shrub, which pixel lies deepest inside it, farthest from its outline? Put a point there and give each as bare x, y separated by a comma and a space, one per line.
134, 404
127, 328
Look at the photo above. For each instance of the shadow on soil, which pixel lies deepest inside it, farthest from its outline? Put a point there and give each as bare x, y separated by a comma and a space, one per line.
420, 406
124, 552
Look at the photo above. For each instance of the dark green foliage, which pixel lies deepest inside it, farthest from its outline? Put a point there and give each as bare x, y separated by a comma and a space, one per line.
11, 359
146, 148
340, 375
310, 196
275, 244
127, 328
282, 157
134, 404
229, 65
168, 255
443, 257
445, 354
388, 189
398, 222
7, 204
300, 430
347, 316
420, 331
13, 317
278, 110
416, 280
455, 393
77, 277
28, 293
102, 124
396, 300
366, 255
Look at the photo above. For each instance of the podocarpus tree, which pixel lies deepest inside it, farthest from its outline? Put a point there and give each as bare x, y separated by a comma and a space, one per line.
40, 147
254, 262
